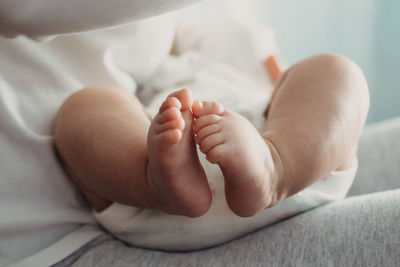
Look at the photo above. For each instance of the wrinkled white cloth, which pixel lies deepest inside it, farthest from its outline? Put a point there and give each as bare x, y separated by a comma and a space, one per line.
157, 230
43, 18
221, 60
43, 217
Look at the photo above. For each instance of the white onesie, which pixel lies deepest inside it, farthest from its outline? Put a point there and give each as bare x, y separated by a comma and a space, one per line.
218, 60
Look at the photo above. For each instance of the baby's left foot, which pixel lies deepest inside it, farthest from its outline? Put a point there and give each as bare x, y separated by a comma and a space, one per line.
246, 159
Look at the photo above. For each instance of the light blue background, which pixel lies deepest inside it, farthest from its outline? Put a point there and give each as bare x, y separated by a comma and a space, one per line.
367, 31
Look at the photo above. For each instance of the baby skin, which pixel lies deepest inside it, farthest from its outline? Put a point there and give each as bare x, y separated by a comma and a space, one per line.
176, 177
227, 139
244, 156
312, 127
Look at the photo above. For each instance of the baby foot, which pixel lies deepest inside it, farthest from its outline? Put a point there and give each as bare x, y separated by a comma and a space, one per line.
245, 158
176, 177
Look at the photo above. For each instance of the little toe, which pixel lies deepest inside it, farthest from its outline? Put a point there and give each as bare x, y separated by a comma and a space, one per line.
211, 141
205, 121
205, 108
216, 154
170, 102
207, 131
185, 97
170, 136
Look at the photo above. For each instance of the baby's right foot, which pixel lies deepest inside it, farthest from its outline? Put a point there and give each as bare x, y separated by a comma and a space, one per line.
176, 178
247, 161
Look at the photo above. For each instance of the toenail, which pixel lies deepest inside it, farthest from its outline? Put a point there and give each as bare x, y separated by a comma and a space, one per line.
201, 103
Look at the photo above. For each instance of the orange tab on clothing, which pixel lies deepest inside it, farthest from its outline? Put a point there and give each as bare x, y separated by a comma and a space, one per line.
273, 68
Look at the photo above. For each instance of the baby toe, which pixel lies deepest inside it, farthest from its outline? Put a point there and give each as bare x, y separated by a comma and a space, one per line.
207, 131
168, 114
185, 98
178, 124
205, 121
211, 141
205, 108
170, 136
217, 154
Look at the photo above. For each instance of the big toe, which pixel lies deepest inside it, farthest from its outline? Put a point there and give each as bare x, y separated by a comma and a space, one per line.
185, 98
205, 108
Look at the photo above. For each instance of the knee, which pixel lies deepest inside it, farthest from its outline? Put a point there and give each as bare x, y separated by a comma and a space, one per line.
336, 69
94, 94
77, 107
66, 117
84, 99
345, 69
356, 85
71, 109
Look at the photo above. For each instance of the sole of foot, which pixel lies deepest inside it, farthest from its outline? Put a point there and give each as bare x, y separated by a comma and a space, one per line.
176, 178
243, 155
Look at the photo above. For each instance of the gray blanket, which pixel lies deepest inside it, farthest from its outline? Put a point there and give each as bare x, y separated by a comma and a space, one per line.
361, 230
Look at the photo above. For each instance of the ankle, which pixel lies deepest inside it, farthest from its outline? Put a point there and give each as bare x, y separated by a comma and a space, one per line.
280, 188
152, 195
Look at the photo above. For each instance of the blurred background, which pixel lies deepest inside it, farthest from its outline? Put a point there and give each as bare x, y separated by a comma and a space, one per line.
367, 31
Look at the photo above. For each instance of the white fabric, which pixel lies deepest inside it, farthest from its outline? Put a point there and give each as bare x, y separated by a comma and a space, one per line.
58, 250
41, 211
154, 229
219, 60
42, 18
39, 206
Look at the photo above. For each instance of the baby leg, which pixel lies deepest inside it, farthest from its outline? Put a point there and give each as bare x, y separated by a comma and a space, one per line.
313, 125
104, 141
315, 118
